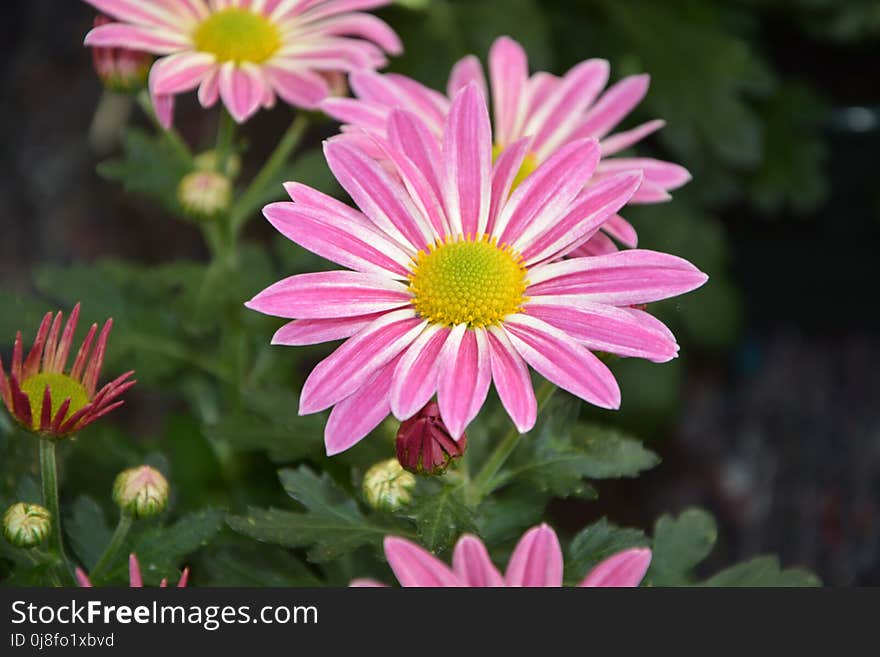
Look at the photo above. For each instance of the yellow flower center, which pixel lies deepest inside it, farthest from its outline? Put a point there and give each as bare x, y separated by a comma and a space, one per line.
62, 387
528, 166
238, 35
466, 281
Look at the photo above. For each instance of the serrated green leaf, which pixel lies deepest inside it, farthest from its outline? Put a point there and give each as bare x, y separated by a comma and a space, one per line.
679, 545
331, 526
162, 549
87, 530
264, 566
597, 542
441, 517
762, 571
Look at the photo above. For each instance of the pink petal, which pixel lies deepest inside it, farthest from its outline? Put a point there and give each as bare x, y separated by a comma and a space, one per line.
561, 360
623, 140
472, 565
464, 377
363, 26
598, 244
179, 73
300, 88
415, 566
624, 278
605, 328
242, 88
466, 70
134, 572
315, 331
591, 209
397, 92
380, 197
625, 568
335, 7
329, 294
618, 101
621, 230
504, 172
351, 365
357, 415
82, 579
415, 380
366, 584
555, 122
146, 39
512, 381
340, 237
411, 136
536, 560
667, 175
509, 72
356, 112
209, 90
548, 193
164, 107
139, 12
467, 156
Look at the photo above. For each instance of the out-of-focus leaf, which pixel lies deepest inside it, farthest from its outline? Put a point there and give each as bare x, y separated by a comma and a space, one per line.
763, 571
441, 516
679, 545
87, 531
596, 543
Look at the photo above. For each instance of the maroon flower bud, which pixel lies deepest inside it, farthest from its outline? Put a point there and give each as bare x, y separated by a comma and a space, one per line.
424, 445
121, 69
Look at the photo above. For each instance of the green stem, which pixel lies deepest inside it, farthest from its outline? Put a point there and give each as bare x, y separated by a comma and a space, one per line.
49, 476
225, 140
171, 136
484, 482
249, 201
116, 543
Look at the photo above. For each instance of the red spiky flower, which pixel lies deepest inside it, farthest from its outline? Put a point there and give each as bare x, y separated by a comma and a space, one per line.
46, 400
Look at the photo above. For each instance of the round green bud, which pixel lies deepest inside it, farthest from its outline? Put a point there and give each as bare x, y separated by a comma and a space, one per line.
387, 486
26, 525
141, 492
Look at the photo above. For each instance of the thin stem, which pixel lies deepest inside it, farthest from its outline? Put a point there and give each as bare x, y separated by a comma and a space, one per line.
253, 195
484, 482
116, 543
225, 140
49, 477
171, 136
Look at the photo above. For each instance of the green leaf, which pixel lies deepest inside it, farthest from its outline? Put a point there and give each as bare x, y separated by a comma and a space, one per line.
596, 543
679, 545
87, 531
331, 526
264, 566
763, 571
148, 167
162, 549
441, 517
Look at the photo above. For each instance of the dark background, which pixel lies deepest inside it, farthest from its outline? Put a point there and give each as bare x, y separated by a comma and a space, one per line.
770, 419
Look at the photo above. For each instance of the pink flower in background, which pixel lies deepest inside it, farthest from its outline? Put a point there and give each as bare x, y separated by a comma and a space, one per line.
134, 576
552, 111
246, 52
536, 561
120, 69
455, 282
42, 397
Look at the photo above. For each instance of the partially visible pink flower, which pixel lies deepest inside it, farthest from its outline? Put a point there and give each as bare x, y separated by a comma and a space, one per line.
134, 576
246, 52
551, 111
536, 562
121, 69
42, 397
458, 283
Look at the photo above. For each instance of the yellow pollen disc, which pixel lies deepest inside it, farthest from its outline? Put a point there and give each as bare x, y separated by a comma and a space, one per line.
528, 166
61, 387
238, 35
466, 281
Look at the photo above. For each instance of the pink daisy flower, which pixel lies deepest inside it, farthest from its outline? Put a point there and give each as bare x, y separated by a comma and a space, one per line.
134, 576
536, 562
42, 397
552, 111
455, 282
246, 52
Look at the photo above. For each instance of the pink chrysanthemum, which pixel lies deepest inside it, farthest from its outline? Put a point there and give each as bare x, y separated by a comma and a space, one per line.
536, 562
552, 111
457, 282
45, 399
134, 576
246, 52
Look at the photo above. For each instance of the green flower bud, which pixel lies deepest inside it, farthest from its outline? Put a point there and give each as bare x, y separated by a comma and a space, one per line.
141, 492
208, 161
26, 525
204, 194
387, 486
